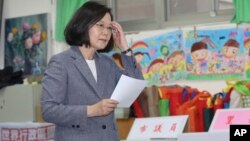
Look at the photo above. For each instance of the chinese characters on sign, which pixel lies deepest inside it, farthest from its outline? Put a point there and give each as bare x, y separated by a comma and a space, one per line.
226, 117
157, 127
28, 134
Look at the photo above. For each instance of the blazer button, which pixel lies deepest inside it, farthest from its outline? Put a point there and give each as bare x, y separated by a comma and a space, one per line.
77, 126
73, 126
103, 126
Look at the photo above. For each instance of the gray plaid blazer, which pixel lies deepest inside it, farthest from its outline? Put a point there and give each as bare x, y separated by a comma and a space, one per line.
68, 87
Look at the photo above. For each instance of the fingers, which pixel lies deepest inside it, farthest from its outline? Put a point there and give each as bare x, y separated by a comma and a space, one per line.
101, 108
119, 36
117, 27
108, 106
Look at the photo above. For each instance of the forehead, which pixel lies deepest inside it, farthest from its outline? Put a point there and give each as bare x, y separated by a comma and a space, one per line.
106, 18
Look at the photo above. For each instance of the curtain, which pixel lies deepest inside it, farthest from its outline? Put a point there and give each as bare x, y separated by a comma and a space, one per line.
241, 11
64, 10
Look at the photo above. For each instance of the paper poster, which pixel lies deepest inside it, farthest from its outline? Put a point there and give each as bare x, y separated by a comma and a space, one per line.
161, 58
215, 54
246, 37
25, 44
211, 54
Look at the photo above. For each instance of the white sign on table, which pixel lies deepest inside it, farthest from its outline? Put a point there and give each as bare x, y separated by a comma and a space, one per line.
157, 128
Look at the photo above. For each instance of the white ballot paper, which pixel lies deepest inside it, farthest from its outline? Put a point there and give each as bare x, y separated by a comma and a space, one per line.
127, 90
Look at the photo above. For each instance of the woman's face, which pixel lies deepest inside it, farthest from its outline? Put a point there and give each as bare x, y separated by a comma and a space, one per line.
100, 33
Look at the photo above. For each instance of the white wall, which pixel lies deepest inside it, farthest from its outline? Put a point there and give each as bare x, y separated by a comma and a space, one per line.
15, 8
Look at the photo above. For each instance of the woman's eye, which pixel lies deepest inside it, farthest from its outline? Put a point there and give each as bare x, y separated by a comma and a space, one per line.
101, 25
110, 28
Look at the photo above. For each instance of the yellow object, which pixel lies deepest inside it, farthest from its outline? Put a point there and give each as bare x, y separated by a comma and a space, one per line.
230, 83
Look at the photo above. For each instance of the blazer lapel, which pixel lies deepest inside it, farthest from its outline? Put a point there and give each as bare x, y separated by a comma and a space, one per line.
82, 66
101, 75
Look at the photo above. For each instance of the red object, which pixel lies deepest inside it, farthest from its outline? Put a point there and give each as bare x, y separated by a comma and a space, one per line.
201, 104
175, 98
138, 109
227, 97
194, 108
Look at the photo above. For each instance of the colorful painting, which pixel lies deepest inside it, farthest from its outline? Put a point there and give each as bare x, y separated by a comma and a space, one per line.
26, 43
161, 58
212, 54
215, 54
246, 38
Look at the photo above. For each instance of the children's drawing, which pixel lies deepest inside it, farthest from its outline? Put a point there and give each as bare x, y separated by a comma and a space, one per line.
26, 44
193, 55
246, 37
161, 58
215, 54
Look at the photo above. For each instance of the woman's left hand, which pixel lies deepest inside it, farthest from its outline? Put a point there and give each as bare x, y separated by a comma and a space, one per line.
119, 36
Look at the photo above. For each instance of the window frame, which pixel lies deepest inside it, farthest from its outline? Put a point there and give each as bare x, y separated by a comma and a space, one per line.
163, 20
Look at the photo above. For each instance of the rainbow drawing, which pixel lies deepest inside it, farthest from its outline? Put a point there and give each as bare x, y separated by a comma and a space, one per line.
139, 46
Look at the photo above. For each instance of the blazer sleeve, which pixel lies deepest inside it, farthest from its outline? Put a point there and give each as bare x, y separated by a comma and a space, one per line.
54, 89
131, 67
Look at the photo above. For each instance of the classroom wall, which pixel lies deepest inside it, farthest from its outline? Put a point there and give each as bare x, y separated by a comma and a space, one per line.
15, 8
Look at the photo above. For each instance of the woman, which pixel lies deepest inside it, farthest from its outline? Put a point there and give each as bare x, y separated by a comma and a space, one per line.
78, 82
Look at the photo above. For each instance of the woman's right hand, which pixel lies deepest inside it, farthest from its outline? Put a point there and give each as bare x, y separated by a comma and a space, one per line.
102, 108
119, 36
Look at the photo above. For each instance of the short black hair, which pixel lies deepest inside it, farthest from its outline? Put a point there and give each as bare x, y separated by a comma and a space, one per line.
77, 30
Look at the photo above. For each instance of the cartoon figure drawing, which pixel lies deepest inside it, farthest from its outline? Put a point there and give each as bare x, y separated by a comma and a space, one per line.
176, 65
230, 61
177, 61
141, 51
139, 57
155, 71
199, 53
